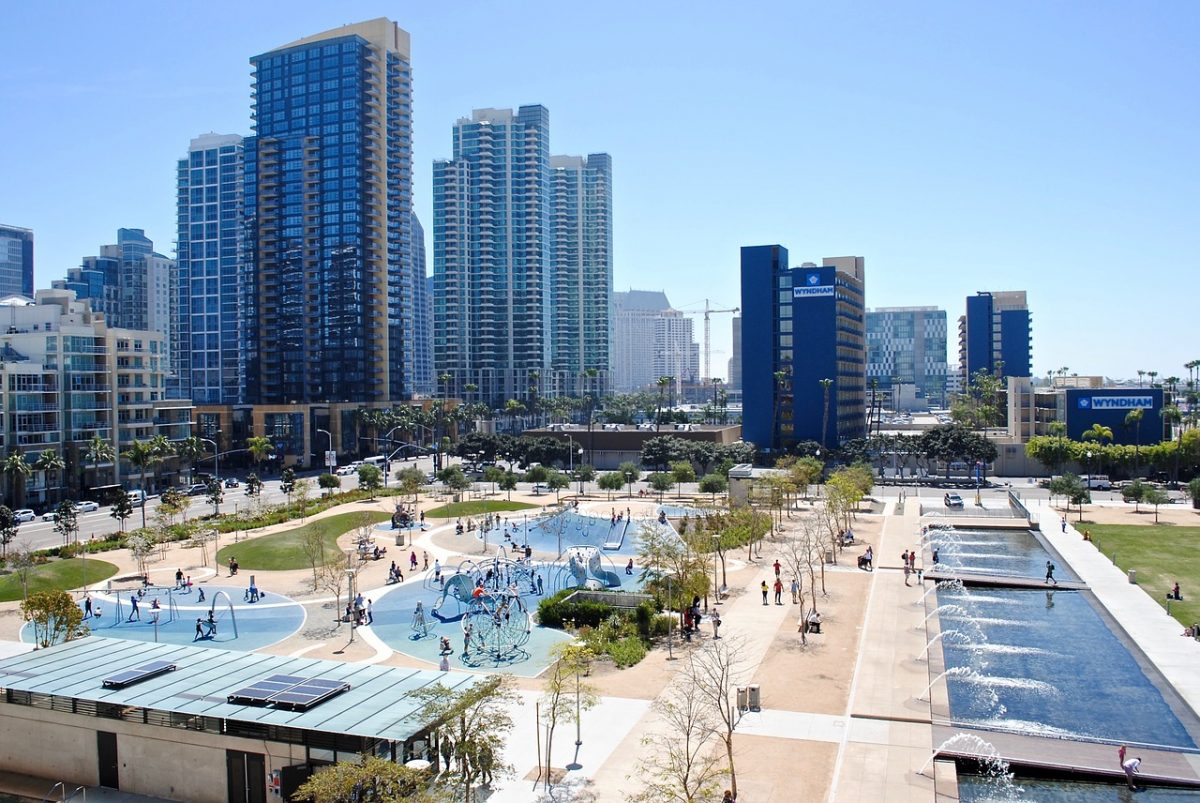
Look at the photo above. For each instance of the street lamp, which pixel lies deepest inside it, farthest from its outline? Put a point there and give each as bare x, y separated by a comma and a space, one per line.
1089, 468
327, 434
716, 551
216, 451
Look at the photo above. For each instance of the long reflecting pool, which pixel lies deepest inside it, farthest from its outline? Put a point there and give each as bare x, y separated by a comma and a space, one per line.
1045, 663
1007, 553
977, 789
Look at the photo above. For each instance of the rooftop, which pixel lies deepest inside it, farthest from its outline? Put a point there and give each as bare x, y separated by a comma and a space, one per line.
379, 703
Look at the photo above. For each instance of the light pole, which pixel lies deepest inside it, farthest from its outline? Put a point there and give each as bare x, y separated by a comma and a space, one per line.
216, 451
327, 434
1089, 468
716, 587
350, 593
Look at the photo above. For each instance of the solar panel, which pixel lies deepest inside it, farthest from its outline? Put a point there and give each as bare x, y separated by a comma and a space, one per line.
288, 691
138, 674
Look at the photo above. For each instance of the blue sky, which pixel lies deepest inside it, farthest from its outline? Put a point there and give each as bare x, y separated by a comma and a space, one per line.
1050, 147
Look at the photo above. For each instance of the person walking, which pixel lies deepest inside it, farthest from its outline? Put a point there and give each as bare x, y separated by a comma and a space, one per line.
412, 561
907, 569
1131, 767
425, 556
87, 606
764, 589
135, 613
716, 623
1121, 756
370, 615
777, 567
1050, 573
1064, 524
778, 591
795, 591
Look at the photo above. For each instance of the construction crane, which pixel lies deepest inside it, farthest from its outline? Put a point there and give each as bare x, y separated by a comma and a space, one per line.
709, 311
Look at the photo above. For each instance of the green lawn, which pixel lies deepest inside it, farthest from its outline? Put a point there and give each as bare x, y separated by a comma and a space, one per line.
285, 550
1162, 556
475, 508
62, 574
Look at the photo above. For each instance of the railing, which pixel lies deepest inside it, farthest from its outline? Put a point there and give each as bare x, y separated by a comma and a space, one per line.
969, 510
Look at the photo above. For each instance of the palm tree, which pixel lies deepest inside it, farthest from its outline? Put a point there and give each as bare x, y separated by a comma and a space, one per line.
259, 447
1098, 433
471, 389
49, 460
590, 374
18, 470
826, 384
780, 383
162, 449
1141, 377
513, 408
1134, 419
99, 451
1153, 375
662, 382
140, 455
190, 450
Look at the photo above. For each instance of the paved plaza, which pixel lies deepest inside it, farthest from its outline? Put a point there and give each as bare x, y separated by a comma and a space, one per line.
849, 716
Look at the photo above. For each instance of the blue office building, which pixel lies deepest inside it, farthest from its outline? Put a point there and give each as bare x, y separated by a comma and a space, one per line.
800, 327
213, 287
16, 261
995, 336
328, 203
1109, 407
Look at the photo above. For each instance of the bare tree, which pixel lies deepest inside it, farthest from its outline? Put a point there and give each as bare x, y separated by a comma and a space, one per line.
681, 764
141, 546
331, 577
715, 671
20, 559
313, 545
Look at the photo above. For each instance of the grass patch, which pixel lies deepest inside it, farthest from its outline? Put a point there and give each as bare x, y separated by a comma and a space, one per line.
475, 508
285, 551
1161, 556
57, 574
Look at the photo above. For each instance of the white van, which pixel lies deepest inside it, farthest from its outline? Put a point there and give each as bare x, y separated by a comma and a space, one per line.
136, 498
1099, 482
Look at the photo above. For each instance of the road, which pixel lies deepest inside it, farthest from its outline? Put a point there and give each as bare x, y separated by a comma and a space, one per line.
38, 534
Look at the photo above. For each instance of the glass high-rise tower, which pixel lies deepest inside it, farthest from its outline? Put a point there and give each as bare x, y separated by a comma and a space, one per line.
328, 201
208, 325
522, 260
16, 261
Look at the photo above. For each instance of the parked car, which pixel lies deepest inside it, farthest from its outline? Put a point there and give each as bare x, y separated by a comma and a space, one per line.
345, 471
197, 489
24, 514
230, 482
86, 506
48, 515
953, 500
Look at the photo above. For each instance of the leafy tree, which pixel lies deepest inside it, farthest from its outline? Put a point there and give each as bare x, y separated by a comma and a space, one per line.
805, 471
1192, 490
508, 483
631, 473
369, 778
1135, 492
611, 481
8, 530
473, 726
454, 478
411, 479
66, 520
682, 472
565, 694
1053, 452
584, 473
493, 474
556, 482
141, 546
287, 482
978, 407
537, 474
329, 483
660, 452
370, 478
214, 493
54, 615
301, 493
661, 482
663, 383
253, 485
1156, 497
1073, 489
672, 569
122, 509
713, 484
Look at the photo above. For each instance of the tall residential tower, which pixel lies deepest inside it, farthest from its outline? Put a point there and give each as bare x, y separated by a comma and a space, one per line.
16, 261
908, 345
328, 196
996, 336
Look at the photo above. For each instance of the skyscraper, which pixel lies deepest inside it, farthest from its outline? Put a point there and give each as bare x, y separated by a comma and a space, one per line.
422, 340
651, 339
129, 282
908, 345
581, 212
735, 360
803, 349
328, 199
996, 336
16, 261
209, 327
522, 259
491, 206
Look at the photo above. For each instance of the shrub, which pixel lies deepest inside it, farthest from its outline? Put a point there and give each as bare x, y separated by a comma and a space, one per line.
661, 625
554, 611
626, 652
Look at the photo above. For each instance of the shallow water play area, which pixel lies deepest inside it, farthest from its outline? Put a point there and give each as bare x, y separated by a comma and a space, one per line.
1025, 673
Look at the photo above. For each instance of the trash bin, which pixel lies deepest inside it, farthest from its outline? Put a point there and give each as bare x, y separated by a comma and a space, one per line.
400, 538
755, 700
1133, 576
741, 698
829, 556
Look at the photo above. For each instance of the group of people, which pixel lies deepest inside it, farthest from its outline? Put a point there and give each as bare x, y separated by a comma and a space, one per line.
404, 517
206, 628
909, 559
358, 611
394, 573
866, 560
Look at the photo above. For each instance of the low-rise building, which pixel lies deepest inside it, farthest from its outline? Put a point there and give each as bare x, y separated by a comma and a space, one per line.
606, 446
